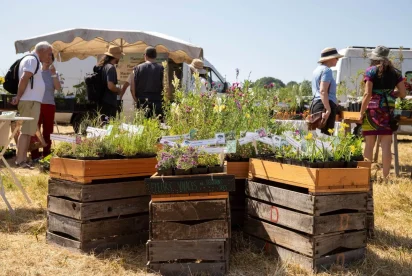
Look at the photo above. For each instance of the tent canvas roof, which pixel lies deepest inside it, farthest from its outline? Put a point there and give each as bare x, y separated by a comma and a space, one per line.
82, 43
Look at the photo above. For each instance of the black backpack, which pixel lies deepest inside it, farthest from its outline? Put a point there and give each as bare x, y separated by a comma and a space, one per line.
95, 85
11, 80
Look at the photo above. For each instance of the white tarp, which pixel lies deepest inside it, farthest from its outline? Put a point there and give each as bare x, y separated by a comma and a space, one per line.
82, 43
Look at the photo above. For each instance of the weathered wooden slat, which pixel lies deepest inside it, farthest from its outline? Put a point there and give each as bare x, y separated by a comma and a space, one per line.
301, 202
311, 264
98, 246
188, 210
339, 222
212, 195
179, 269
330, 203
214, 229
85, 231
304, 222
100, 209
190, 184
312, 246
96, 192
207, 250
278, 235
327, 243
281, 216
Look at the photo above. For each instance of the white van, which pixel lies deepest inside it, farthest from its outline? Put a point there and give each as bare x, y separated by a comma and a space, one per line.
74, 71
355, 60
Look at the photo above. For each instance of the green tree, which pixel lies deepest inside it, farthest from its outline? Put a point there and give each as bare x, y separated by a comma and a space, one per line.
267, 81
291, 83
305, 88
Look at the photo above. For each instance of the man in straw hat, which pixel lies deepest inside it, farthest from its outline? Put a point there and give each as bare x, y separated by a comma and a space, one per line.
108, 105
148, 84
197, 66
324, 89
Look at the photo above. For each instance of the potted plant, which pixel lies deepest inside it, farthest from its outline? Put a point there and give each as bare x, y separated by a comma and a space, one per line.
64, 150
214, 164
186, 159
202, 163
165, 163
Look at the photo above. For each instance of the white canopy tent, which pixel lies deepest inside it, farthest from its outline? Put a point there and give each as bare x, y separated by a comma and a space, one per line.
83, 43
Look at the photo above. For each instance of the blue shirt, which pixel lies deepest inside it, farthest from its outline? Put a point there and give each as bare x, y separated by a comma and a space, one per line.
48, 97
327, 76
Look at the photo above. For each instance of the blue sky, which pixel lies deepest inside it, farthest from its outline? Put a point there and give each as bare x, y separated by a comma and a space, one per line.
275, 38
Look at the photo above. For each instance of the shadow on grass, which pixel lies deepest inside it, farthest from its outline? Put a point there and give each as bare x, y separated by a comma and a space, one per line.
30, 220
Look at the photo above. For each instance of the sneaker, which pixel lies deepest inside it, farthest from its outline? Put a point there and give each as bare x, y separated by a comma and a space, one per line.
24, 165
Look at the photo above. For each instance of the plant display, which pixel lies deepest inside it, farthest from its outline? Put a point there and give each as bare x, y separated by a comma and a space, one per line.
63, 149
403, 104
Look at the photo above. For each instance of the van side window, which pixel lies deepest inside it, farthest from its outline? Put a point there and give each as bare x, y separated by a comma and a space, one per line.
215, 82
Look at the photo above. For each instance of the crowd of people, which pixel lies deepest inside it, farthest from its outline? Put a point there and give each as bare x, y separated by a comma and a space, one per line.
383, 84
39, 80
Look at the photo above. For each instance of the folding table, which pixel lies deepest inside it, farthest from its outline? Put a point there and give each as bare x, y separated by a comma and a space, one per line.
3, 121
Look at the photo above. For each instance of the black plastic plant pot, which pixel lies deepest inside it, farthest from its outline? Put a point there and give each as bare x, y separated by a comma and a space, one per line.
287, 161
215, 169
351, 164
199, 170
165, 172
279, 159
89, 158
68, 156
321, 165
358, 158
183, 172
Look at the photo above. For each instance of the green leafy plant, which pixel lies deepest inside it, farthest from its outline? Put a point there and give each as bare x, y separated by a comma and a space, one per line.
63, 149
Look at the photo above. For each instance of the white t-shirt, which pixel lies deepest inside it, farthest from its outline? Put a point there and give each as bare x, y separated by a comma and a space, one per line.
203, 85
29, 64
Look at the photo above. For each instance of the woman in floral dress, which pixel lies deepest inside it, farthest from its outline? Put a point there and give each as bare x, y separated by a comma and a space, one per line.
378, 102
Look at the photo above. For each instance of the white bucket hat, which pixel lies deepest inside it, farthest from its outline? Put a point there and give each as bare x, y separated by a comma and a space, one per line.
197, 65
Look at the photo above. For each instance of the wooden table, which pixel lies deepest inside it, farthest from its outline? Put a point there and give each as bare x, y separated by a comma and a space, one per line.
3, 121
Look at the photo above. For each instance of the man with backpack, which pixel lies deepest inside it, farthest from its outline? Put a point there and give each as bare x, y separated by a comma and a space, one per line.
29, 95
108, 102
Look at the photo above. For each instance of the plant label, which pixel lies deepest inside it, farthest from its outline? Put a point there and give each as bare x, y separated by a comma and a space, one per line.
230, 135
63, 138
245, 140
252, 135
261, 132
167, 142
96, 132
293, 142
214, 150
231, 146
278, 141
176, 137
198, 143
266, 140
220, 138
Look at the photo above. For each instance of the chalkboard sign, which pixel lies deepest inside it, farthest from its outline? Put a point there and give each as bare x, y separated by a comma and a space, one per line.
190, 184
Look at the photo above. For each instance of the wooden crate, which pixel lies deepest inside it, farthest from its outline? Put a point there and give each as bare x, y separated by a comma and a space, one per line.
314, 246
186, 220
87, 171
315, 180
210, 257
342, 258
189, 184
195, 232
309, 228
239, 169
96, 217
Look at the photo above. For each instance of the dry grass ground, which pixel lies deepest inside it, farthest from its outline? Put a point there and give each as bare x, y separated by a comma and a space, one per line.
23, 250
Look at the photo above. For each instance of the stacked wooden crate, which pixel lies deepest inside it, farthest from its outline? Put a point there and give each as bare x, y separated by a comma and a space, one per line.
237, 198
94, 205
189, 224
313, 217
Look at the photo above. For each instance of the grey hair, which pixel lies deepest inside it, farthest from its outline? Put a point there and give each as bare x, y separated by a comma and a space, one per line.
44, 45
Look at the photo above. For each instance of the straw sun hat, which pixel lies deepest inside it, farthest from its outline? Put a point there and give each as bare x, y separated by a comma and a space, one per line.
329, 53
197, 65
114, 51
